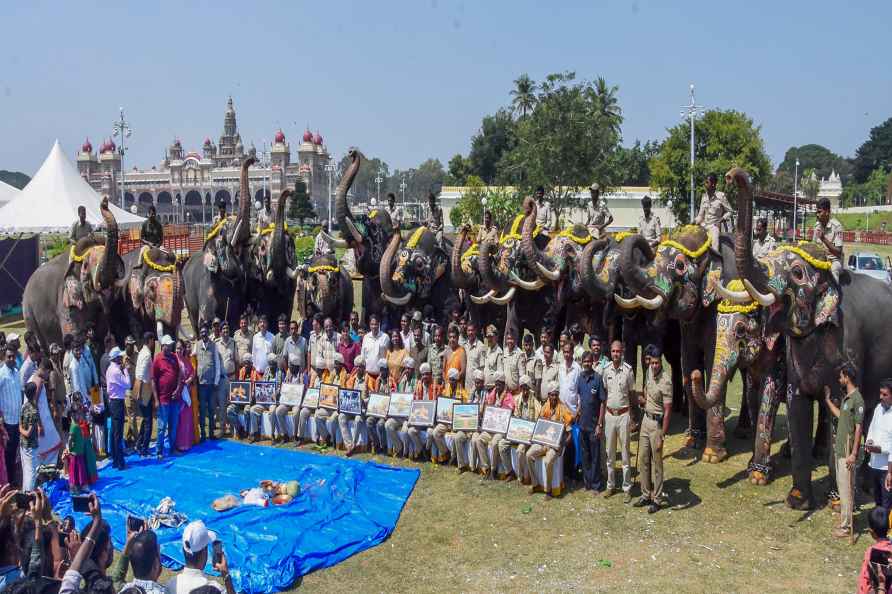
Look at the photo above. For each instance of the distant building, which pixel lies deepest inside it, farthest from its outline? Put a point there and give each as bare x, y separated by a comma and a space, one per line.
830, 188
191, 182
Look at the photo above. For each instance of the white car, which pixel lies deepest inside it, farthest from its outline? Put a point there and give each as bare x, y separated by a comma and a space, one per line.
871, 264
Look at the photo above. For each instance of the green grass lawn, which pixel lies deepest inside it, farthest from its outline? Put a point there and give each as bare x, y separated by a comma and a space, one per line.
855, 221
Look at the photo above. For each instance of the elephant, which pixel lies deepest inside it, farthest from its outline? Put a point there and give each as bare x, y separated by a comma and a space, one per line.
215, 277
475, 296
152, 299
324, 287
270, 268
826, 323
76, 289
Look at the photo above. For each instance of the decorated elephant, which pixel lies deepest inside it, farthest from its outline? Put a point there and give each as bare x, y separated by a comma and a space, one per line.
324, 287
270, 268
152, 299
77, 288
215, 277
826, 323
475, 295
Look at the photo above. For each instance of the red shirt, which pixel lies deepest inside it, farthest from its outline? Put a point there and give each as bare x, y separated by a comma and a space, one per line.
166, 375
349, 352
864, 577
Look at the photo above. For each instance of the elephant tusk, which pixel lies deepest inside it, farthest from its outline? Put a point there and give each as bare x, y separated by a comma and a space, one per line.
506, 298
526, 285
291, 272
549, 274
398, 300
732, 296
626, 303
357, 237
651, 304
483, 299
763, 299
338, 243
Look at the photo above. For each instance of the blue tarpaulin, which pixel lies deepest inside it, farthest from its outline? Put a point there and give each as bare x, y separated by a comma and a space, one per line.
345, 506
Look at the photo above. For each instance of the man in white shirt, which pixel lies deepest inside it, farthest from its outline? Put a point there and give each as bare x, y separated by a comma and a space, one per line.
261, 345
406, 332
196, 540
374, 346
879, 445
568, 374
144, 389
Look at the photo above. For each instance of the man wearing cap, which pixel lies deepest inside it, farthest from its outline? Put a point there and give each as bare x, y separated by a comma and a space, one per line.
261, 345
293, 375
229, 362
246, 373
475, 351
168, 384
358, 380
554, 410
436, 354
657, 403
460, 438
215, 329
619, 382
649, 224
600, 217
327, 420
196, 540
492, 360
592, 398
407, 381
374, 346
543, 211
317, 376
209, 372
526, 406
273, 373
144, 389
367, 385
486, 442
117, 382
514, 362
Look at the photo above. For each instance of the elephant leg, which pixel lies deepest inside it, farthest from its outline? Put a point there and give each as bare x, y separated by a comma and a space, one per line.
760, 465
715, 433
748, 401
821, 448
800, 421
696, 415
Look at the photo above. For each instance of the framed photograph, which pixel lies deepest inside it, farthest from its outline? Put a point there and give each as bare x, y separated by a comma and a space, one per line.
520, 430
548, 433
422, 413
291, 394
264, 392
465, 417
378, 405
400, 405
444, 409
311, 398
328, 396
350, 401
496, 420
240, 392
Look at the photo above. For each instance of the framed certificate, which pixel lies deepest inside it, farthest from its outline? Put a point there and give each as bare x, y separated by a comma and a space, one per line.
311, 398
520, 430
264, 392
349, 401
548, 433
400, 405
328, 396
422, 413
291, 394
240, 392
496, 420
378, 405
465, 417
444, 409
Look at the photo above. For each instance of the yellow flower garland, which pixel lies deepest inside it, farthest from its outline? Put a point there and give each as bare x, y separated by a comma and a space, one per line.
416, 237
74, 257
213, 232
726, 306
472, 251
323, 268
690, 254
620, 235
269, 229
373, 213
819, 264
155, 265
568, 233
514, 233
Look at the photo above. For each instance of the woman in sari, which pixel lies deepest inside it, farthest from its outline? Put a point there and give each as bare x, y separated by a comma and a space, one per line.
396, 352
50, 443
186, 423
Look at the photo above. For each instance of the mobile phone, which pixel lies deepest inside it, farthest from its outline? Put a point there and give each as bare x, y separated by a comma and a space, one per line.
80, 503
63, 536
135, 524
218, 552
23, 499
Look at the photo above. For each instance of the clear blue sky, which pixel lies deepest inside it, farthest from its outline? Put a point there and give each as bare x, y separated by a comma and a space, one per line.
410, 80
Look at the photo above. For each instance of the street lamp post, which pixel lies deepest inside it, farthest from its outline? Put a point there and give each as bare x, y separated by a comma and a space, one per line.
795, 195
330, 168
378, 181
483, 202
403, 190
692, 112
121, 129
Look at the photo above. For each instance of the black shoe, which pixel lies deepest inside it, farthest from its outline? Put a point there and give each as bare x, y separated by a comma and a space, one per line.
642, 501
653, 508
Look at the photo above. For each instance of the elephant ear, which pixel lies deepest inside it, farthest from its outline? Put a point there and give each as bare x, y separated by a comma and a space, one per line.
709, 281
827, 307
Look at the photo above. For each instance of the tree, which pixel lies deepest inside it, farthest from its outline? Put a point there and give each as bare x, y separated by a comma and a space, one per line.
458, 171
502, 203
781, 182
565, 144
524, 95
16, 179
810, 184
300, 208
723, 139
608, 105
814, 156
364, 186
876, 152
497, 136
874, 191
632, 164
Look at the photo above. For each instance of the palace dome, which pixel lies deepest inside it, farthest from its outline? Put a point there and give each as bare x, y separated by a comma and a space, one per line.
308, 136
87, 147
318, 138
280, 137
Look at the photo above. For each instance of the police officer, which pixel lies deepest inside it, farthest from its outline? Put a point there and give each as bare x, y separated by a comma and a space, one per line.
619, 382
657, 403
828, 233
492, 360
649, 224
763, 242
601, 217
714, 211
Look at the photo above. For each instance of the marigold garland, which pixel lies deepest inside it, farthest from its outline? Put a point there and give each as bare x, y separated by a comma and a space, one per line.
690, 254
568, 233
216, 229
727, 306
620, 235
514, 233
472, 251
72, 255
416, 237
322, 268
819, 264
155, 265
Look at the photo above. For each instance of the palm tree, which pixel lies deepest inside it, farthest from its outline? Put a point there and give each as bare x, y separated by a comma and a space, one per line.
608, 105
524, 94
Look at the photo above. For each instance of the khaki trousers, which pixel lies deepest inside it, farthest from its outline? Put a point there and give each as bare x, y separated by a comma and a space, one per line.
486, 443
844, 478
300, 426
350, 436
326, 420
504, 447
650, 459
538, 451
616, 428
394, 427
458, 443
437, 435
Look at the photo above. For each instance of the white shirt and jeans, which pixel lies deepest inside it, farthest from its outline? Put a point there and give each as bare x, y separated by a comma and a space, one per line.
146, 403
261, 346
374, 348
880, 434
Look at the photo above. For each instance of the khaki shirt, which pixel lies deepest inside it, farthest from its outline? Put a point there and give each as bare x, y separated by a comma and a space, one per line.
833, 233
550, 374
436, 358
543, 215
476, 360
514, 365
761, 247
713, 210
600, 214
327, 346
79, 231
534, 368
243, 345
228, 353
527, 407
650, 229
619, 384
492, 363
657, 391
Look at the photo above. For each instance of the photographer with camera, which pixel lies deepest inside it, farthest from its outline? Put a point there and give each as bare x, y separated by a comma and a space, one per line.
93, 557
196, 540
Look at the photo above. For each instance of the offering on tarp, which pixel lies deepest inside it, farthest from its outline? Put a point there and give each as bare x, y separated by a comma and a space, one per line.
226, 502
240, 392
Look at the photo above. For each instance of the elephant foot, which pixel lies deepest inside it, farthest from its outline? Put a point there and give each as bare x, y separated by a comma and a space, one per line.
714, 455
796, 500
759, 479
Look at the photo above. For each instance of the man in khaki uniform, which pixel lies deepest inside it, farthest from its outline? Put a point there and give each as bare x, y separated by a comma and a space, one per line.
514, 363
550, 372
714, 211
828, 233
620, 383
600, 217
492, 359
243, 337
649, 224
763, 242
486, 442
657, 403
475, 351
436, 355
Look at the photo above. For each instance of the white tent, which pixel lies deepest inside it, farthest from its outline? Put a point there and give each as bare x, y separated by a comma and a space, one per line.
49, 202
7, 193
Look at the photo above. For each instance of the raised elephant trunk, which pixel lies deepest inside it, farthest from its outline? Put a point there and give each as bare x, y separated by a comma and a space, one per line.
342, 211
537, 261
750, 271
241, 231
278, 261
386, 273
490, 276
721, 371
588, 276
459, 279
633, 251
109, 267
